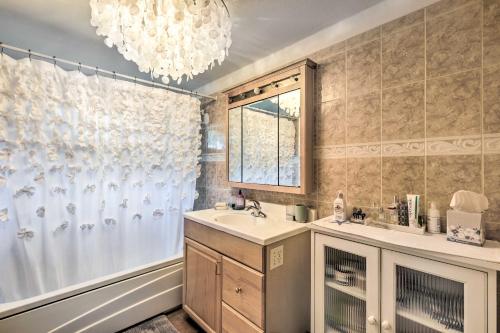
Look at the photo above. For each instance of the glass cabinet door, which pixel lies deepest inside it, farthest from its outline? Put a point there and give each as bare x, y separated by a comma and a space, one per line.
346, 286
421, 295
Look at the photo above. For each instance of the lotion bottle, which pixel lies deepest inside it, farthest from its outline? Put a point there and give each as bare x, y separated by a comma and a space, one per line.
339, 208
433, 219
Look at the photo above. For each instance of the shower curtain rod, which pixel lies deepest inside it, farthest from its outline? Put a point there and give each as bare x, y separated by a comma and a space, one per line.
96, 69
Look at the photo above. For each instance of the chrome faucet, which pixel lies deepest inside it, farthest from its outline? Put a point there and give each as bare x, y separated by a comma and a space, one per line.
256, 209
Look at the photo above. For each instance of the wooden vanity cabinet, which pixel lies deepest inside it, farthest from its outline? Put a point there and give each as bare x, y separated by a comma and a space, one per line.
230, 287
202, 285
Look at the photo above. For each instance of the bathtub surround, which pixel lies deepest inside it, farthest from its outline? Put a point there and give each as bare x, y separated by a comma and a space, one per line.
91, 170
411, 106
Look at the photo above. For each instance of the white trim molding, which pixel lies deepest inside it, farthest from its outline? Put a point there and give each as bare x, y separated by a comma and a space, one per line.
466, 145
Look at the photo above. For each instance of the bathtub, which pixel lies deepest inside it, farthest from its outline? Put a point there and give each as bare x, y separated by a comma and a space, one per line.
105, 304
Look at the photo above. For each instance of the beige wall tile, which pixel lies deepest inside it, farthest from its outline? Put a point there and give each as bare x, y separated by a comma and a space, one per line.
448, 174
454, 105
363, 119
215, 139
331, 79
325, 209
403, 56
217, 110
324, 56
491, 102
221, 177
363, 181
330, 123
331, 177
403, 22
491, 32
364, 37
403, 114
363, 69
492, 231
445, 6
492, 188
401, 176
211, 174
454, 41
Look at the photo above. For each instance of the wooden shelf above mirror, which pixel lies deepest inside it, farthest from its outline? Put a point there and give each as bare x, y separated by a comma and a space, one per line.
269, 131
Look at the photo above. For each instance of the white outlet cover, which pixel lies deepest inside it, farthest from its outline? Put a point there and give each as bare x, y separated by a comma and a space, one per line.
276, 257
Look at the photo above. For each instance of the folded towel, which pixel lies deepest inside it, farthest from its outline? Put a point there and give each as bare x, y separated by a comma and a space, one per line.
467, 201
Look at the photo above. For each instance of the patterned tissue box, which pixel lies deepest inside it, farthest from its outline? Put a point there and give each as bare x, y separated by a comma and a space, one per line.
467, 228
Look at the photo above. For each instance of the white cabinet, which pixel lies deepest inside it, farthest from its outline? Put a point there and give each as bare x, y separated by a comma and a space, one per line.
347, 284
364, 288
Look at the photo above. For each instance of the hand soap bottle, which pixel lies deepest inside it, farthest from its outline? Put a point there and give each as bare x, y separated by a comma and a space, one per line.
339, 208
240, 201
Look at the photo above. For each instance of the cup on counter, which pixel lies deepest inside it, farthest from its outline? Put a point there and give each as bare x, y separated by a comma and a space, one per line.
300, 213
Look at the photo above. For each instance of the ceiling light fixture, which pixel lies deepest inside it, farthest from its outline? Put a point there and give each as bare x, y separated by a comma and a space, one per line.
169, 38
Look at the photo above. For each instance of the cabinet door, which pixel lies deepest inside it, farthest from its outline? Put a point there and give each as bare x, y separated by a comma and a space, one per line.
422, 295
202, 285
346, 286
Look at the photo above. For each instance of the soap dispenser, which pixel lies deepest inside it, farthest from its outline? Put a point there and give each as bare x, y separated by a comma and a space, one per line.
240, 201
339, 208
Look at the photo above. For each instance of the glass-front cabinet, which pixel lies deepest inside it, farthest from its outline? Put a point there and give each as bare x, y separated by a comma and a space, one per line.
422, 295
362, 288
269, 131
346, 280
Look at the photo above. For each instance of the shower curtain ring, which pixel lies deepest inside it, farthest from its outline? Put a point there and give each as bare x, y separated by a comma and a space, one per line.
135, 80
54, 57
96, 70
29, 54
114, 75
80, 67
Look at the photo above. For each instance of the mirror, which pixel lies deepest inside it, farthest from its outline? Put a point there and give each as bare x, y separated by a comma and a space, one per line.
234, 145
269, 131
264, 141
260, 142
289, 138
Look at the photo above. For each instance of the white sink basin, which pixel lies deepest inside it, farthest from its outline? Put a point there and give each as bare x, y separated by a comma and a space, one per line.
239, 219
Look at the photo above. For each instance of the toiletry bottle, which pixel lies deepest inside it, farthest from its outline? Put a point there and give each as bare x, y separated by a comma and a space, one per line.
433, 219
393, 211
339, 207
240, 201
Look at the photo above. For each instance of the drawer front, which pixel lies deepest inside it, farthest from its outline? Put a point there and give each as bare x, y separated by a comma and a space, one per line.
233, 322
243, 290
244, 251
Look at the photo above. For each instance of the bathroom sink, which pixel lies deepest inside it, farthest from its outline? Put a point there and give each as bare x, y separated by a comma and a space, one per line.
239, 219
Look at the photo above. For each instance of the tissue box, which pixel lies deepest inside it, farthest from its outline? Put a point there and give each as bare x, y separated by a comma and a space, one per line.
463, 227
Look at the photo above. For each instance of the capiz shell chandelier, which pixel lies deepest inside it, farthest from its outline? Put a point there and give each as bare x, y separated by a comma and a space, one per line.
169, 38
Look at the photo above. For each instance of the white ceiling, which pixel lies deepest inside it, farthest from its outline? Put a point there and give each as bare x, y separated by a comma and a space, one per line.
260, 27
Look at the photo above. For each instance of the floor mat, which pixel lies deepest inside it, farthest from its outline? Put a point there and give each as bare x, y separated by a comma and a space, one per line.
159, 324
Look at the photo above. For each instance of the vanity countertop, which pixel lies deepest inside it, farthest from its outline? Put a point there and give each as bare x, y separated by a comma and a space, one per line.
263, 231
487, 256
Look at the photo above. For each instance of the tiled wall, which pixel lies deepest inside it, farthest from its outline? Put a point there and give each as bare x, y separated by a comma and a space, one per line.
412, 106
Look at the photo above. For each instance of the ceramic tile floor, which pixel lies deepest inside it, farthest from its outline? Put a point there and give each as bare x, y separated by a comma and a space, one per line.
183, 323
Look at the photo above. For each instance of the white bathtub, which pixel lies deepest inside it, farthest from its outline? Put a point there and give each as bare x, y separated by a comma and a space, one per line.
106, 304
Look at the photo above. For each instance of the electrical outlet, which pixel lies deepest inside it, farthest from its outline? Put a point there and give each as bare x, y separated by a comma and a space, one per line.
276, 259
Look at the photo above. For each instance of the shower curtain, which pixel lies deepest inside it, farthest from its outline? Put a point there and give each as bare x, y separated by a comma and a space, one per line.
95, 175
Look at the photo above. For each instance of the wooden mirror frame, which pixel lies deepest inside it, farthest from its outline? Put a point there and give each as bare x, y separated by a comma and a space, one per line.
303, 73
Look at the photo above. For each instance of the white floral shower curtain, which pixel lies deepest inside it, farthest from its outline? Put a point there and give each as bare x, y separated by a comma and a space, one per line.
95, 174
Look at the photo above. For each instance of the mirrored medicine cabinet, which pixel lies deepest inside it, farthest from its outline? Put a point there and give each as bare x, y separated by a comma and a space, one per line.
269, 131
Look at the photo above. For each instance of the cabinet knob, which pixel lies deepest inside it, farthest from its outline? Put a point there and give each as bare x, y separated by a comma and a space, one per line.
237, 290
372, 320
385, 325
